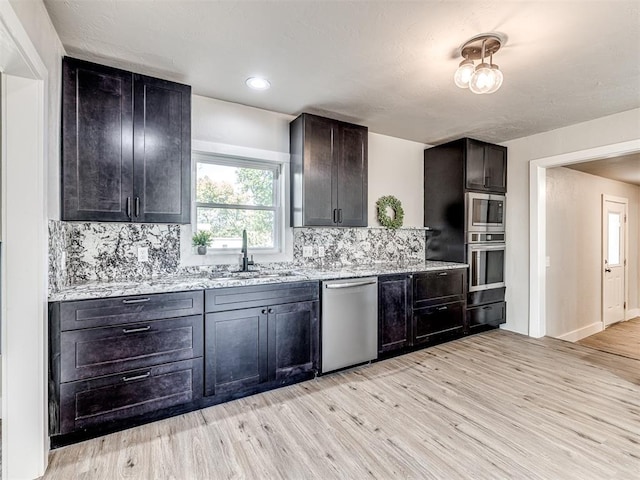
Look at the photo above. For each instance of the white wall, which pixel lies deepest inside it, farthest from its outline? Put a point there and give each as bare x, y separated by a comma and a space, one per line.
395, 165
603, 131
574, 247
234, 124
36, 22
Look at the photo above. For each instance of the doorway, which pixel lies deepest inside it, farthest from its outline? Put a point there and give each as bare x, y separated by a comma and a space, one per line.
537, 221
614, 259
23, 279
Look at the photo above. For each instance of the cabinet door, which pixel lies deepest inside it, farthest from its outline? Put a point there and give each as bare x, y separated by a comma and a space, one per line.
495, 168
319, 170
96, 352
394, 312
97, 152
352, 176
491, 315
294, 336
103, 400
441, 319
162, 153
475, 165
486, 167
443, 286
235, 350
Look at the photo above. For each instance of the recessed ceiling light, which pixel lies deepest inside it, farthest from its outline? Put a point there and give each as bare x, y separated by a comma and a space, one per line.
258, 83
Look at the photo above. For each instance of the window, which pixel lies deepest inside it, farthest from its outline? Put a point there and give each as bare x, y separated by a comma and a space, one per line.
234, 194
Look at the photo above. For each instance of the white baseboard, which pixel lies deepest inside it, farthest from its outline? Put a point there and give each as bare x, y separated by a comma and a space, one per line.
632, 313
581, 333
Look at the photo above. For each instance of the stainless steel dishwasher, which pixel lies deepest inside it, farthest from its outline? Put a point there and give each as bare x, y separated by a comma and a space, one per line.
349, 322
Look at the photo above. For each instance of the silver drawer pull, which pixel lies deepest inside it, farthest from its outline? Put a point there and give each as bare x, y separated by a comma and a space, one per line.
443, 274
443, 308
136, 330
137, 300
137, 377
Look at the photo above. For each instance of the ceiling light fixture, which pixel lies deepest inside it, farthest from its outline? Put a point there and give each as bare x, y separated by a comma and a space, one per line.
485, 77
258, 83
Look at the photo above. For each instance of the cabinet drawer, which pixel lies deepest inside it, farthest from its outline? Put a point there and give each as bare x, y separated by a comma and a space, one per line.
103, 351
234, 298
94, 402
488, 315
431, 288
140, 308
440, 319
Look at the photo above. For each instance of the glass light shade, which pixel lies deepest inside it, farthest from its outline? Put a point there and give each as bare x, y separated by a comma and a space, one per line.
463, 73
483, 79
498, 78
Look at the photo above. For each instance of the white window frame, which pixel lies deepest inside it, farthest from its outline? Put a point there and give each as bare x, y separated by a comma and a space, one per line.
202, 149
277, 197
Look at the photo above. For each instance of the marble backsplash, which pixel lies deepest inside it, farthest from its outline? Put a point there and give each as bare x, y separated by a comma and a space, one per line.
82, 252
349, 246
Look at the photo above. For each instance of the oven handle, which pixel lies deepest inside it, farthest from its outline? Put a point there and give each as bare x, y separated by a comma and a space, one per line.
487, 246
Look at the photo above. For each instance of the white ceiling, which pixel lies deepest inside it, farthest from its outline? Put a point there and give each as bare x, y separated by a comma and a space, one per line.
385, 64
625, 168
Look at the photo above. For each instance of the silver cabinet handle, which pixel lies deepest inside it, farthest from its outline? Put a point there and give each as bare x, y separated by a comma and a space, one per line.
136, 300
349, 285
137, 377
443, 274
443, 308
136, 330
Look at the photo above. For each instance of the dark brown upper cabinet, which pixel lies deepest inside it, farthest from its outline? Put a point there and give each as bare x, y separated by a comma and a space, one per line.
486, 166
126, 146
328, 173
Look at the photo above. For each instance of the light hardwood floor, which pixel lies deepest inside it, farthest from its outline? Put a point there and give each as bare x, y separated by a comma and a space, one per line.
622, 339
491, 406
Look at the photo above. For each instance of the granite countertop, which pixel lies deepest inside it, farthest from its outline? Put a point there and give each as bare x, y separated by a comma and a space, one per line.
218, 280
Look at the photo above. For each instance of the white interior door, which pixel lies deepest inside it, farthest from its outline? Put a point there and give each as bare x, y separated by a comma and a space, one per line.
614, 240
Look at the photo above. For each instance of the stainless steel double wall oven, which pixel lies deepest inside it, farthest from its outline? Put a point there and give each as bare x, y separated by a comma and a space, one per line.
485, 219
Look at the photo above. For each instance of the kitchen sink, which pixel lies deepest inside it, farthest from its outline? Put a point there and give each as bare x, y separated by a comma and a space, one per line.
250, 275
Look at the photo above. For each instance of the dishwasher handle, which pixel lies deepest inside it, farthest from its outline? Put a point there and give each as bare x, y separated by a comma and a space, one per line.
350, 284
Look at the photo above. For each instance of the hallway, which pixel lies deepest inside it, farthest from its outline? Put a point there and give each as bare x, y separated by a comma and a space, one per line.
623, 339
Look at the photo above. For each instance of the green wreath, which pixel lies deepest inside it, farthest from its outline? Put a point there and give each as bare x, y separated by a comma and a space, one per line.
392, 202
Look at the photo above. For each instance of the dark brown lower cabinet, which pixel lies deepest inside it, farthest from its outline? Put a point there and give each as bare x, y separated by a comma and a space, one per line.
420, 308
394, 312
485, 316
117, 362
248, 347
441, 319
96, 352
97, 401
235, 355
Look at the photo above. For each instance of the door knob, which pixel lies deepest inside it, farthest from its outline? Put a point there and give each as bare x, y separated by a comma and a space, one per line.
608, 270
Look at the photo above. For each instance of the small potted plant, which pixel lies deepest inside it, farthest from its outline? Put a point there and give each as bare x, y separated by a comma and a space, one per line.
201, 240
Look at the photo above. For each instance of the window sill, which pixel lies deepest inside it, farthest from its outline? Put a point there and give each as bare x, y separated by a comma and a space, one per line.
189, 257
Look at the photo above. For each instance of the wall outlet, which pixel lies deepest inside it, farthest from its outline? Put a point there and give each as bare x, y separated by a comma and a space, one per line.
320, 252
307, 251
143, 254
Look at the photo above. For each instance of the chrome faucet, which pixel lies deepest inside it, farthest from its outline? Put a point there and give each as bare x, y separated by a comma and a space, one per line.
245, 250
